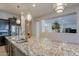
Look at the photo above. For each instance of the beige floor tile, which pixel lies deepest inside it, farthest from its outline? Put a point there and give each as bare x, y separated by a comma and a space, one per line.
3, 51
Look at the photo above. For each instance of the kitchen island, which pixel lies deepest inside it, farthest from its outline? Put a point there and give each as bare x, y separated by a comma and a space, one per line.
13, 44
45, 47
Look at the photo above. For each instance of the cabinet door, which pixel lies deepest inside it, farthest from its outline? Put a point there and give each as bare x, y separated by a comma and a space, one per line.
15, 51
18, 52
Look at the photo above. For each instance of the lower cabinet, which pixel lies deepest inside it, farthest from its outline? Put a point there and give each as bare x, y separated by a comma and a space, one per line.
14, 51
17, 52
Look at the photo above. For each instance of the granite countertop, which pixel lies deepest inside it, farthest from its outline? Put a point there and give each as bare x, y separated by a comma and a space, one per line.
21, 46
45, 47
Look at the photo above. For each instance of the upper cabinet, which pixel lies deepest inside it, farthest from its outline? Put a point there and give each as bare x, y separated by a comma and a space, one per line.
4, 27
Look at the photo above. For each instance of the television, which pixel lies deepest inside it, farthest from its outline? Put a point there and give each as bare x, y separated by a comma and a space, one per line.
4, 27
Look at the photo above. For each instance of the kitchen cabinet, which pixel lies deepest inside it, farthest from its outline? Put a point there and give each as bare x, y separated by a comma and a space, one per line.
13, 50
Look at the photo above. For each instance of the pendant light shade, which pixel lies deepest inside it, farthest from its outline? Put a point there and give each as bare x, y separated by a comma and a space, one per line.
18, 21
29, 17
59, 7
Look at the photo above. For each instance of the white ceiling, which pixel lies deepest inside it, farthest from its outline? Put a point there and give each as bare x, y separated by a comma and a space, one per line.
41, 9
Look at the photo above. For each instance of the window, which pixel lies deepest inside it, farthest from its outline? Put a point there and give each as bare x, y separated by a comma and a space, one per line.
63, 24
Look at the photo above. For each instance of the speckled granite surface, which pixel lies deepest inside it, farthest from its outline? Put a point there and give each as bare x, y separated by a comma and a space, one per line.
46, 47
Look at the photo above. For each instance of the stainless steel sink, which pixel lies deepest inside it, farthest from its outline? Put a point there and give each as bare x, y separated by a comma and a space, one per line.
21, 40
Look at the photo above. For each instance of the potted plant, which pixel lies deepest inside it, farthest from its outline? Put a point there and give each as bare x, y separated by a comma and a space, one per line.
56, 26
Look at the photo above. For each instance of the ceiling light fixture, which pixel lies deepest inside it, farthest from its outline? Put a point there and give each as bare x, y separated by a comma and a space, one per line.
33, 5
18, 21
59, 7
29, 17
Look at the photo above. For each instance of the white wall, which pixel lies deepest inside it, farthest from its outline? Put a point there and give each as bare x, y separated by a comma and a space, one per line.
67, 37
5, 15
34, 27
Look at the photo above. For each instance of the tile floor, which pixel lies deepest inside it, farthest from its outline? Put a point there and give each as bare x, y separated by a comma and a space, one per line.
3, 51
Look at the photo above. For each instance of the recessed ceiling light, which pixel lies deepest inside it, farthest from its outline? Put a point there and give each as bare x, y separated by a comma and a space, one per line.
33, 5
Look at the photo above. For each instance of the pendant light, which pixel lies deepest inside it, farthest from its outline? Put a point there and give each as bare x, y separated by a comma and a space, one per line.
59, 7
18, 21
29, 17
